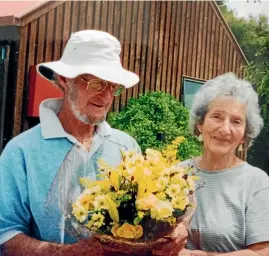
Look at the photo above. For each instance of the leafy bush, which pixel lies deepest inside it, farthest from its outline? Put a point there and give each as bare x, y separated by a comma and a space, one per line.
155, 119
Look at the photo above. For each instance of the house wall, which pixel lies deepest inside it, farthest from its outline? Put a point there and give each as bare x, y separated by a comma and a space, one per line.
161, 42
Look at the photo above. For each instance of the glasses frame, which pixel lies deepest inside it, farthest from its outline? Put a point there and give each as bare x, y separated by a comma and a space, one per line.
117, 92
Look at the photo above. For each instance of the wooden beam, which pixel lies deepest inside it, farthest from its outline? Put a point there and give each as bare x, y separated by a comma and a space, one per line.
43, 9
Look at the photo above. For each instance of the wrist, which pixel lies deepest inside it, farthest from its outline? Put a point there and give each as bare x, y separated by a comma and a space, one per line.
200, 253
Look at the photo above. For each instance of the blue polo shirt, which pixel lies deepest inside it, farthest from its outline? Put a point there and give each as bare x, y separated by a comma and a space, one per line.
32, 165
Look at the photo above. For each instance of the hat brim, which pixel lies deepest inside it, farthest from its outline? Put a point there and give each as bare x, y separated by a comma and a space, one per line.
114, 74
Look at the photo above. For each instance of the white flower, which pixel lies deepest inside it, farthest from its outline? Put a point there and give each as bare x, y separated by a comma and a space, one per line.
173, 190
162, 183
100, 202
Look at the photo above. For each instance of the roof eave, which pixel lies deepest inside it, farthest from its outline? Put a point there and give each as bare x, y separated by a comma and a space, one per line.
9, 20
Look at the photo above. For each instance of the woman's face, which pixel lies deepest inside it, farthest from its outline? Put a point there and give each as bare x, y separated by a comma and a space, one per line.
224, 125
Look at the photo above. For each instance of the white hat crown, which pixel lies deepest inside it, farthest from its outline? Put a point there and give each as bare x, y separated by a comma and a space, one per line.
92, 47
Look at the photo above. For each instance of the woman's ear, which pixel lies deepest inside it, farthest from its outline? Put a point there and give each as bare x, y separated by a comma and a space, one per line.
199, 127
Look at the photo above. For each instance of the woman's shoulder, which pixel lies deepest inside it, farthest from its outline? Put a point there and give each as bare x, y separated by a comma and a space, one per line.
256, 175
189, 163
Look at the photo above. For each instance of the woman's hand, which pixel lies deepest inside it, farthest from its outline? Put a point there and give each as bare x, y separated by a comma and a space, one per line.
186, 252
176, 242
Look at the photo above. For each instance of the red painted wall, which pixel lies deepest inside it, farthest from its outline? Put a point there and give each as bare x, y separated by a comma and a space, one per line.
40, 89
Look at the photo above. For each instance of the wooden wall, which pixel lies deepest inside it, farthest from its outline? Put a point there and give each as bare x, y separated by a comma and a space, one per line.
161, 41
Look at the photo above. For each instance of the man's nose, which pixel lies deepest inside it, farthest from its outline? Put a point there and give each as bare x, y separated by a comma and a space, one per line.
106, 94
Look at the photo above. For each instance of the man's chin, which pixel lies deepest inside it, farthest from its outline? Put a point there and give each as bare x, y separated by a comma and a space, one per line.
95, 120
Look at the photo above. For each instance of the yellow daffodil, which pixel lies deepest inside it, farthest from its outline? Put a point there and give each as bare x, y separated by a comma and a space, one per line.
145, 203
96, 221
173, 190
100, 202
142, 188
178, 140
191, 182
177, 179
112, 209
102, 164
104, 184
86, 200
79, 211
127, 231
161, 210
115, 179
180, 202
162, 183
161, 196
152, 186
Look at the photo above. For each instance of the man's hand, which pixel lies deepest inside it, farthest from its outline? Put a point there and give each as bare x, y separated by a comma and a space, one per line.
177, 242
22, 245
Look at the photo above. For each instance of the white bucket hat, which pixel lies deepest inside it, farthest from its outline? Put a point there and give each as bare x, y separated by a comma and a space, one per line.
90, 52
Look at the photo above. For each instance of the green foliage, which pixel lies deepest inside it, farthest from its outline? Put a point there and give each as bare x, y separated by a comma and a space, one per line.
155, 120
252, 35
258, 74
247, 31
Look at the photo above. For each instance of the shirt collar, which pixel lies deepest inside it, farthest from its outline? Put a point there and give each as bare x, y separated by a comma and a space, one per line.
51, 126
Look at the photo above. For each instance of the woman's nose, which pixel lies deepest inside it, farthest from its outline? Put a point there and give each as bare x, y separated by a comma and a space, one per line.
225, 128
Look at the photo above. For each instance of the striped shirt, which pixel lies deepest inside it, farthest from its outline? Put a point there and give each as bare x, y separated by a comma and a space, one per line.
232, 209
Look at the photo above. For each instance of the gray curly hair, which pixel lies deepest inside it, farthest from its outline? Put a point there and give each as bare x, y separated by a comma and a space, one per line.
227, 85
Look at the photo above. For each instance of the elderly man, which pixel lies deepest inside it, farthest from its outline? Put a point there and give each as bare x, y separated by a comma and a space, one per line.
38, 169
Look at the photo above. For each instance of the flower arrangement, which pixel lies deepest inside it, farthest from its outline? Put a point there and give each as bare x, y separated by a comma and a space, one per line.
138, 199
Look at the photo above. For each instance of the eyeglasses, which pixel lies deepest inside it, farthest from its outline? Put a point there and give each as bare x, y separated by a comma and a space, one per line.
98, 86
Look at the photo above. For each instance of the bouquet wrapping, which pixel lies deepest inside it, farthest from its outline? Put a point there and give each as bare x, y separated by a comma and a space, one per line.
135, 206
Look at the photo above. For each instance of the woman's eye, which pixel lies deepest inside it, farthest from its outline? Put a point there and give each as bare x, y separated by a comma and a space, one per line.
237, 122
216, 116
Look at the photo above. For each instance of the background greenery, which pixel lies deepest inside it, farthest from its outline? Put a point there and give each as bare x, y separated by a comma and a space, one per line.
252, 35
155, 119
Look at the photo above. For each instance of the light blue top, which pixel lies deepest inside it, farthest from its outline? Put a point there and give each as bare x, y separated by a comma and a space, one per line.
232, 209
38, 158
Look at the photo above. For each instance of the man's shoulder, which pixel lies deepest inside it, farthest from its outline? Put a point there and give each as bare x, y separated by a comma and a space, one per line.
18, 147
121, 134
26, 138
124, 138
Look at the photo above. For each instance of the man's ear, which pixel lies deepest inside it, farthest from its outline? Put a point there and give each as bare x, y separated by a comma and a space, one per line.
62, 81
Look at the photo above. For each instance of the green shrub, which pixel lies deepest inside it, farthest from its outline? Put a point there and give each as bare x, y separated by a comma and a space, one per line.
155, 119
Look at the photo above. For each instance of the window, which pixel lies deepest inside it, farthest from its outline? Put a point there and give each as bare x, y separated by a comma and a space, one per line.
189, 88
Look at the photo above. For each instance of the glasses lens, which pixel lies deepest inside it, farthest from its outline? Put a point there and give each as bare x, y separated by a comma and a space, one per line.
94, 85
118, 90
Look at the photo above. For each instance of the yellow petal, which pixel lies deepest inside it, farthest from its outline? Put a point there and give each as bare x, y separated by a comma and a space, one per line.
114, 229
139, 231
141, 189
115, 179
112, 209
152, 186
86, 182
104, 184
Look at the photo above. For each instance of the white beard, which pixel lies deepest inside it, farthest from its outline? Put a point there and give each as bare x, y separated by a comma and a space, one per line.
80, 116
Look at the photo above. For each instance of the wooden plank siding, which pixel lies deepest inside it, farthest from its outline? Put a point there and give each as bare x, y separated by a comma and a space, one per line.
161, 42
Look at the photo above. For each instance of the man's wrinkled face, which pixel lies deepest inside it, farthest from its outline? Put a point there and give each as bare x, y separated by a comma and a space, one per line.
90, 98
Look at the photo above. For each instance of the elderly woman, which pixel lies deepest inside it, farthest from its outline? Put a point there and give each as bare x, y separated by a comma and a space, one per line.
232, 215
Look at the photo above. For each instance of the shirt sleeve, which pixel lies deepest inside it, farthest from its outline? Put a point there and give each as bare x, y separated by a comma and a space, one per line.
257, 212
15, 213
136, 146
